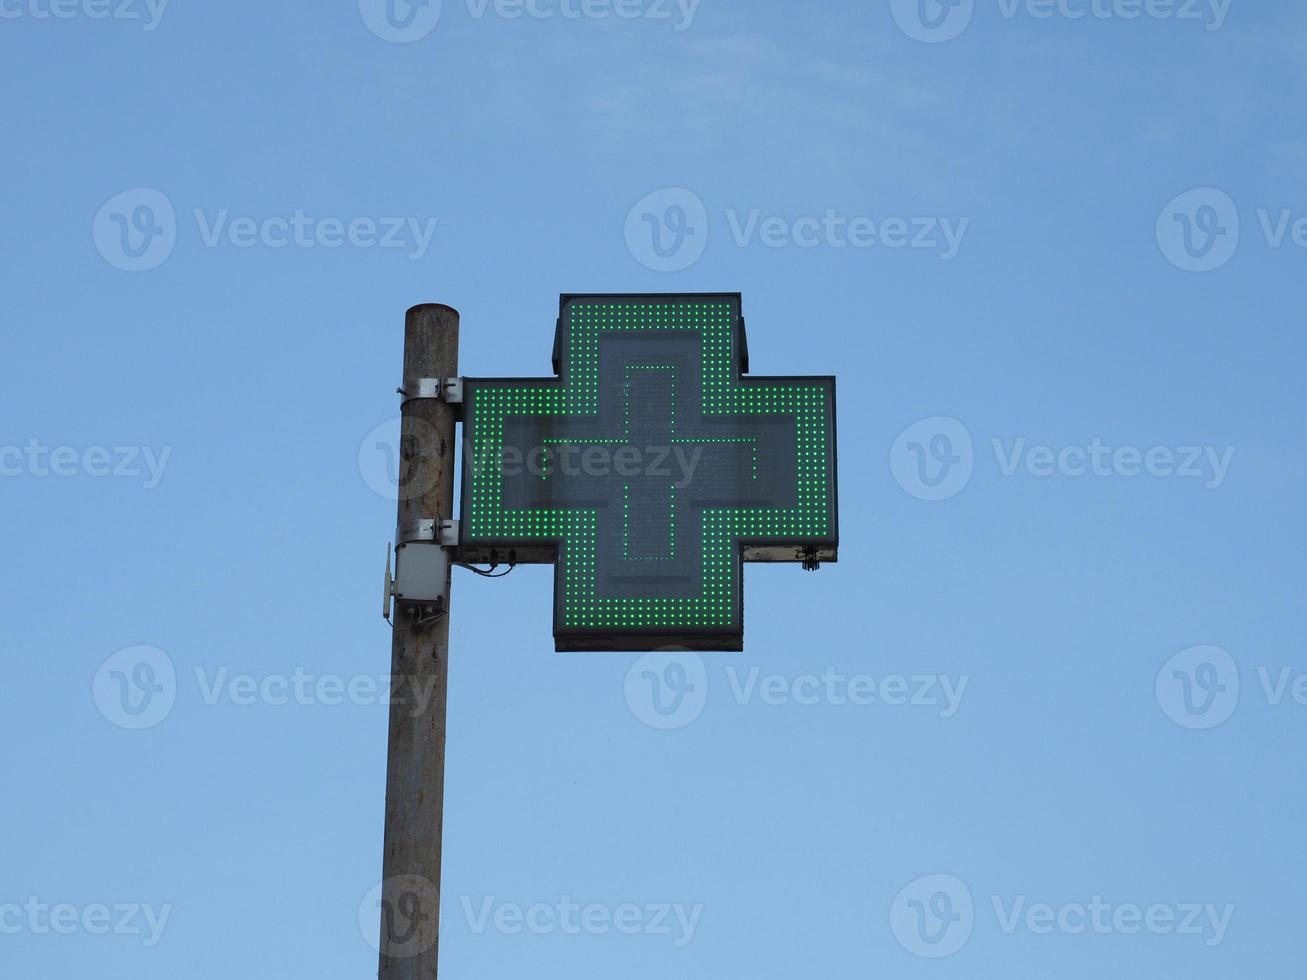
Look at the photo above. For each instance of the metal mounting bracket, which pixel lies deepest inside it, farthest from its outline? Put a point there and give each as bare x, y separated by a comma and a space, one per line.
431, 530
448, 390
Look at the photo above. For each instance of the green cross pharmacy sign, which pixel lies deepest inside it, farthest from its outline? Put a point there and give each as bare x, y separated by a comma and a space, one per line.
649, 470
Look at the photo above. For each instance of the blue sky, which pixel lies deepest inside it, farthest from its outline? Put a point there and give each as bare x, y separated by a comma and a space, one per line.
1043, 716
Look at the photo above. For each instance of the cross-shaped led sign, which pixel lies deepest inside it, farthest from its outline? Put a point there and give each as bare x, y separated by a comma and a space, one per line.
649, 470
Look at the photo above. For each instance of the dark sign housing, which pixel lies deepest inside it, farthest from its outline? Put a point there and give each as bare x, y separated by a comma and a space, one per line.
649, 470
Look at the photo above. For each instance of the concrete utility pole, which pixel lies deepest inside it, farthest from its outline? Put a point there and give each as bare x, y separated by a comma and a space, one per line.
415, 770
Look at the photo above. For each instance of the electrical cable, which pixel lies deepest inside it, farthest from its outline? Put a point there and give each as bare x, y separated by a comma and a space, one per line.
484, 573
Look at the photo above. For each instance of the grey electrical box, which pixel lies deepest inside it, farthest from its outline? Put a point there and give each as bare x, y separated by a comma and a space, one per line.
421, 573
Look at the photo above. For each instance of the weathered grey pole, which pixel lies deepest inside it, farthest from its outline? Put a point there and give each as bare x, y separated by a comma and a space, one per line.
415, 769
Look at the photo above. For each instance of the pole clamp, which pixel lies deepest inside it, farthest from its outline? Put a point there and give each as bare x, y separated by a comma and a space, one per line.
448, 390
428, 531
